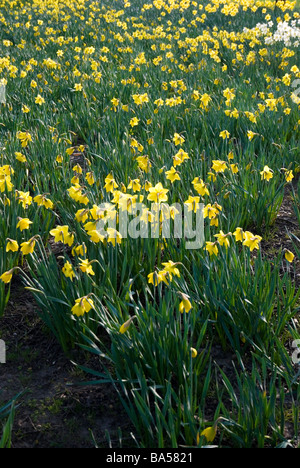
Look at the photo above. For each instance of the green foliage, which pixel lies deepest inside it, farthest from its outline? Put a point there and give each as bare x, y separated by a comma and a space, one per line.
7, 414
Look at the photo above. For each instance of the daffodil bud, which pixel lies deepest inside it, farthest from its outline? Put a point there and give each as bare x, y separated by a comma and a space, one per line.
126, 325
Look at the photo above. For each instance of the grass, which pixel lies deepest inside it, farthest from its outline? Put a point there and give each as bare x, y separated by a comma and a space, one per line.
7, 414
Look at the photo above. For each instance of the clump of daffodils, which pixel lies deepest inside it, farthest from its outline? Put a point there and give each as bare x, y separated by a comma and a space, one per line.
82, 305
286, 32
165, 275
247, 238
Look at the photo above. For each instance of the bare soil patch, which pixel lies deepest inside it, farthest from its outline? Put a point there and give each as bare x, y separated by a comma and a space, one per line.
54, 411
